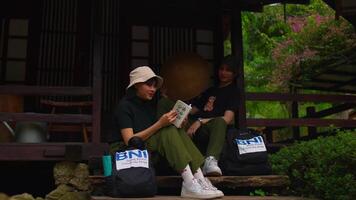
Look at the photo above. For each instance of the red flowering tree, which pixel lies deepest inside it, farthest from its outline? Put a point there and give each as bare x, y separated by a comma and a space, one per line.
277, 43
312, 37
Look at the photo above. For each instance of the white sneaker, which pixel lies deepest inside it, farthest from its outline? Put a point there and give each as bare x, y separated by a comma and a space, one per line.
195, 190
211, 167
208, 185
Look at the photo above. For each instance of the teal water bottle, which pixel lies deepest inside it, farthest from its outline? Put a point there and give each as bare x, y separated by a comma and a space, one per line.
107, 164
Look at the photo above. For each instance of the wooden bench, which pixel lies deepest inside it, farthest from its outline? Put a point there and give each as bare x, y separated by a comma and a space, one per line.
222, 181
233, 182
71, 128
225, 198
230, 181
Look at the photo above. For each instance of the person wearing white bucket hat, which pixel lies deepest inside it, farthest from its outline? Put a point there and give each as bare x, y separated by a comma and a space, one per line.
135, 117
143, 74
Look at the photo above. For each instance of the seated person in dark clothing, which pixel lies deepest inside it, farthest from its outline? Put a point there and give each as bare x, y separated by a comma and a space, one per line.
214, 111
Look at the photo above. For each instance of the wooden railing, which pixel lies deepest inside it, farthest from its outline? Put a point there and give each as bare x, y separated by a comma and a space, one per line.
48, 91
43, 90
313, 119
300, 97
53, 151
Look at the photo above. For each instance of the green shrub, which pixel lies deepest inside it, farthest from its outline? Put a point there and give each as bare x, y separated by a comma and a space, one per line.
324, 168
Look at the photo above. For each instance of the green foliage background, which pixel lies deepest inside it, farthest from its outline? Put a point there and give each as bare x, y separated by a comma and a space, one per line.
322, 168
277, 43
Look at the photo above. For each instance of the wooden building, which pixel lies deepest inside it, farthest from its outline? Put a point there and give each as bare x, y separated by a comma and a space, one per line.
83, 50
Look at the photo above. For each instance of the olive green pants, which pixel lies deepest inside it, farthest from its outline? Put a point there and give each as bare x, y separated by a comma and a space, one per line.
175, 145
211, 137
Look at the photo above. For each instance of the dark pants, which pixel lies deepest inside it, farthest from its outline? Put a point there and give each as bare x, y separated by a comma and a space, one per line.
210, 137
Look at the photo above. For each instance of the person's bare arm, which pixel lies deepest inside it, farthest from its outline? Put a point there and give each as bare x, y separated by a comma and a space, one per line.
229, 116
194, 110
196, 125
165, 120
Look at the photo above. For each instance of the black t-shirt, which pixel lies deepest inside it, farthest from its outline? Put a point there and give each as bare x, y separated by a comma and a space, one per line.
133, 112
215, 101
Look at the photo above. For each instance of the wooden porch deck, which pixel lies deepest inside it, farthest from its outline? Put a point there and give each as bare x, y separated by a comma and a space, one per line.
225, 198
236, 182
222, 181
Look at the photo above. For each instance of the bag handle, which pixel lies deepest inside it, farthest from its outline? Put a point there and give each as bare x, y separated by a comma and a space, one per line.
136, 143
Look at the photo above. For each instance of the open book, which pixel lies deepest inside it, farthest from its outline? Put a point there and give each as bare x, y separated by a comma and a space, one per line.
182, 110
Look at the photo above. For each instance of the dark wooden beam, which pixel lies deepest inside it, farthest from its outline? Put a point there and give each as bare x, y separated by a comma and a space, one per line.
320, 80
34, 42
229, 181
328, 89
301, 122
333, 110
284, 1
338, 9
237, 52
295, 114
68, 128
222, 181
60, 118
340, 73
339, 85
43, 90
219, 35
3, 61
299, 97
49, 151
312, 131
320, 114
229, 197
97, 69
257, 5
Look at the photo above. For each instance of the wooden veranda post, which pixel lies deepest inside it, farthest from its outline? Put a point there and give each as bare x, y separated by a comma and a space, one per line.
295, 114
312, 131
97, 77
237, 52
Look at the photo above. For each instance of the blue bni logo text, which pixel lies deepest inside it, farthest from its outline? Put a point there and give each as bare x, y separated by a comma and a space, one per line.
131, 154
255, 140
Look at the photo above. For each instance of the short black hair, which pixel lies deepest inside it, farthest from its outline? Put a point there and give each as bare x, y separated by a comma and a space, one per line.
230, 61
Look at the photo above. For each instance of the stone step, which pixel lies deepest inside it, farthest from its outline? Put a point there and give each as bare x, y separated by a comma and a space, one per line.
175, 182
222, 181
225, 198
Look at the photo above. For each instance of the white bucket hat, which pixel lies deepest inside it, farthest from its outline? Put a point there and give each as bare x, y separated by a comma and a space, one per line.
143, 74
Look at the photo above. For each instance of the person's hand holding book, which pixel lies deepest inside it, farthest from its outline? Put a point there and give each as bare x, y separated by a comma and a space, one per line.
182, 110
168, 118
